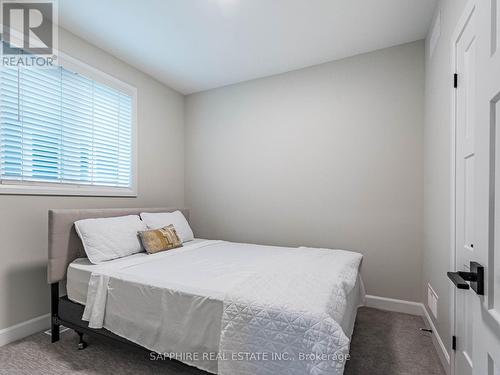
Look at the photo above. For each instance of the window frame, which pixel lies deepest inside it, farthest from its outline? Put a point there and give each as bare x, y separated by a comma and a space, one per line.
69, 189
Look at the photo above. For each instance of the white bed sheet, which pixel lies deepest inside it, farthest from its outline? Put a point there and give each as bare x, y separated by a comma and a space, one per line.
80, 270
173, 302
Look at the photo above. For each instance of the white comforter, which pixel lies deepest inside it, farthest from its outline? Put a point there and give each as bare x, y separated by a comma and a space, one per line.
235, 309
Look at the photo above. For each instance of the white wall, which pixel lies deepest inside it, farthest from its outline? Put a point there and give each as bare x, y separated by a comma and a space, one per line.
23, 219
327, 156
437, 153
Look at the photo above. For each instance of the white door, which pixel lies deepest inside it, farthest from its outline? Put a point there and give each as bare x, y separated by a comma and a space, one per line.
477, 58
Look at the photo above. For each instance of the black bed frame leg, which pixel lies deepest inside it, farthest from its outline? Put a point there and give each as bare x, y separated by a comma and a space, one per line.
54, 316
81, 343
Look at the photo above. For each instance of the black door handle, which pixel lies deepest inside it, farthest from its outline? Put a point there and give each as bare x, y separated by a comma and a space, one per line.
458, 280
475, 277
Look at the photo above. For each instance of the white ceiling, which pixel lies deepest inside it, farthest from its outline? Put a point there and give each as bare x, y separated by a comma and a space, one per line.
195, 45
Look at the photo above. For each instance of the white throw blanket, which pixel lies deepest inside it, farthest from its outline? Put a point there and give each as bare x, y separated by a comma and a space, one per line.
262, 309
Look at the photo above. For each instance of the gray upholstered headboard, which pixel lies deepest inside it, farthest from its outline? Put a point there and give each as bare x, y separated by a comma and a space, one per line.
64, 243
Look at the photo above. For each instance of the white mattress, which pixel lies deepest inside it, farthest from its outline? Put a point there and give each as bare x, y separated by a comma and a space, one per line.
173, 302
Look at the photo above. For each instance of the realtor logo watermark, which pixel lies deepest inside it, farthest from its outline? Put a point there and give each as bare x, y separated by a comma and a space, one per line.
29, 32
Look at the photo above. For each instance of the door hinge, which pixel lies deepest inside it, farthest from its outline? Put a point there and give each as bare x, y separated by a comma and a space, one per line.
454, 342
455, 80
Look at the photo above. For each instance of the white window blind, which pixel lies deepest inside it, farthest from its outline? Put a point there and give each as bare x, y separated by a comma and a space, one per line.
60, 127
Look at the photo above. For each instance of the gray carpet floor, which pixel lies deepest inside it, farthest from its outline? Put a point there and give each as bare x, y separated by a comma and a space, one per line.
384, 343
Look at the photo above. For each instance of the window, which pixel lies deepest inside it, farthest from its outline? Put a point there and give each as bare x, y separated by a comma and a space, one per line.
62, 132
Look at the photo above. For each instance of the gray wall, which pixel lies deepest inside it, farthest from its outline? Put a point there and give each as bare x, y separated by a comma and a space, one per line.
327, 156
437, 152
23, 219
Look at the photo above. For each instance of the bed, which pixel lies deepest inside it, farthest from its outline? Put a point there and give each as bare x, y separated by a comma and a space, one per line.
227, 308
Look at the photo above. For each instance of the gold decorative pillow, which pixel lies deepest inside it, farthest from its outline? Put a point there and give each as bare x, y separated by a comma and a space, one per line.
162, 239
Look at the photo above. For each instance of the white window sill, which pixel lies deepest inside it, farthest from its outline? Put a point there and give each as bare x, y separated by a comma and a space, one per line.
67, 190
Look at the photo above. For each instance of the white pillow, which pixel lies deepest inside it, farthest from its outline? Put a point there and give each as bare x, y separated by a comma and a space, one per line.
110, 238
162, 219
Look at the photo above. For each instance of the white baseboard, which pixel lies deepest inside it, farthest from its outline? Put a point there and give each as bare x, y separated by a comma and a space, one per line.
21, 330
396, 305
413, 308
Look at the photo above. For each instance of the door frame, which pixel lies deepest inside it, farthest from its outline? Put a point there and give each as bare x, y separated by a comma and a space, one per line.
469, 8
